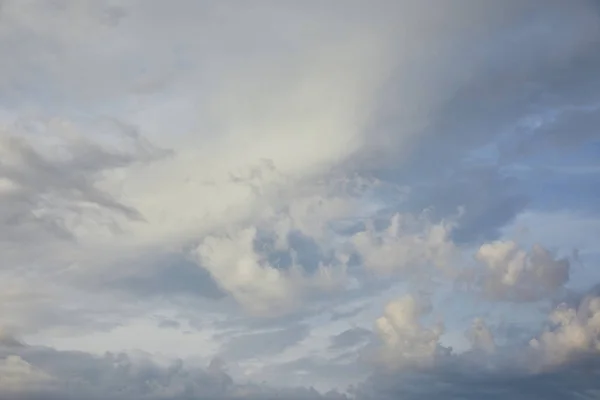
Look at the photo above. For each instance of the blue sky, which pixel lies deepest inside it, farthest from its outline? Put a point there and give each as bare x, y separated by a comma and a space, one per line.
285, 199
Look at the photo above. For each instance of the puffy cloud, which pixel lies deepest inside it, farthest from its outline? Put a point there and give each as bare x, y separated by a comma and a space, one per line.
562, 362
512, 274
574, 333
405, 341
407, 243
257, 285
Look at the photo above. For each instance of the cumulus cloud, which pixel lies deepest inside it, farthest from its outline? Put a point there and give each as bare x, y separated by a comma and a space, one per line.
513, 274
406, 243
404, 338
561, 362
574, 333
259, 286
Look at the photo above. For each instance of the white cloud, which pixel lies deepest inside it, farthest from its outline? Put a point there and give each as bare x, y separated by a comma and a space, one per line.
513, 274
257, 285
16, 373
574, 333
408, 243
405, 341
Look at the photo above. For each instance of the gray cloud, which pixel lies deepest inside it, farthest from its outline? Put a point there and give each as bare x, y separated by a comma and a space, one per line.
52, 170
49, 374
562, 361
169, 324
351, 337
269, 343
484, 111
339, 315
573, 382
509, 273
43, 373
167, 275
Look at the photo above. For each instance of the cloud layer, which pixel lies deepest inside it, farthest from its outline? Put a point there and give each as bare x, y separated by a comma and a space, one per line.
293, 200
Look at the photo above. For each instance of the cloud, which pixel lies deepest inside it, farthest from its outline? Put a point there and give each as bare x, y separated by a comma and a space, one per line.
251, 171
350, 338
481, 337
405, 341
575, 382
253, 282
31, 372
267, 343
574, 333
169, 324
560, 362
406, 243
55, 374
51, 171
512, 274
164, 274
17, 373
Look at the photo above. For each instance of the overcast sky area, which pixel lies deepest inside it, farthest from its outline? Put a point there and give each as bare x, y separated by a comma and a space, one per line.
341, 199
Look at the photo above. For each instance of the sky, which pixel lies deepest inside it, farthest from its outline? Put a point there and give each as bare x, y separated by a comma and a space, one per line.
299, 199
